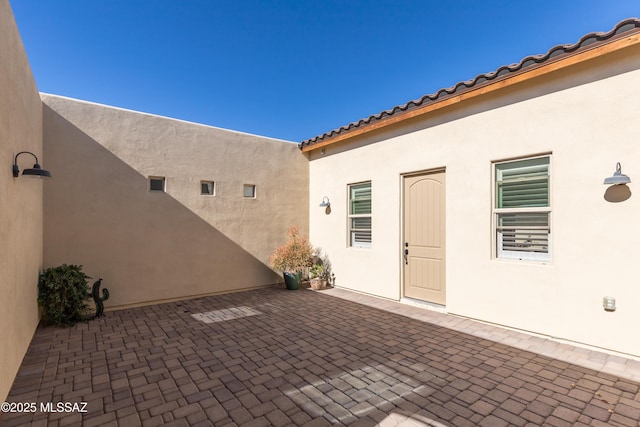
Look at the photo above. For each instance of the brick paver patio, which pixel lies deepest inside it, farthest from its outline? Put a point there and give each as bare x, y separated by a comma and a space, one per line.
276, 357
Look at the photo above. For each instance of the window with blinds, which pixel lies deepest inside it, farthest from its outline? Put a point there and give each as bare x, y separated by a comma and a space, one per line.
522, 209
360, 215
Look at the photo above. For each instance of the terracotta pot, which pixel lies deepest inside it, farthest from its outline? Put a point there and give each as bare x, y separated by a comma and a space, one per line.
318, 284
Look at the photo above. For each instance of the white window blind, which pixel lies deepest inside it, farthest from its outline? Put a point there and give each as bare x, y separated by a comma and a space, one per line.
360, 215
523, 184
522, 209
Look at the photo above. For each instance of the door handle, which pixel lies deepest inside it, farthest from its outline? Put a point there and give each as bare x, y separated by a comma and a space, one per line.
406, 258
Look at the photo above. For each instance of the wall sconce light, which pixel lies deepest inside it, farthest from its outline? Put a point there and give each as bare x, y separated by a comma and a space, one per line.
618, 177
36, 171
325, 202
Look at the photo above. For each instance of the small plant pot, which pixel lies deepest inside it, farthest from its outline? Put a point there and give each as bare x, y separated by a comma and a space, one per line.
292, 280
318, 284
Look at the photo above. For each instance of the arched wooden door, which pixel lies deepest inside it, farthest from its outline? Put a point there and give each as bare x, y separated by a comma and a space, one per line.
424, 237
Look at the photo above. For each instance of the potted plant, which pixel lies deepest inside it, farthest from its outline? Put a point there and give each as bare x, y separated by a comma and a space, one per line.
316, 274
293, 258
321, 273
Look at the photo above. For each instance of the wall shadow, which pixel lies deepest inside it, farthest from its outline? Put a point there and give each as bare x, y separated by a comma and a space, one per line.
146, 245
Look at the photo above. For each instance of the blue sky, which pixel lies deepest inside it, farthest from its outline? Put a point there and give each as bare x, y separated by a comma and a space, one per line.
289, 69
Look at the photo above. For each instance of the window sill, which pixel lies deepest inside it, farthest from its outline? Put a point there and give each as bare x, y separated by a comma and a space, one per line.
530, 262
360, 247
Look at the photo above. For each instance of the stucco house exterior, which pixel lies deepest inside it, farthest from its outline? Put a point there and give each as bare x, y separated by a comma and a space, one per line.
485, 200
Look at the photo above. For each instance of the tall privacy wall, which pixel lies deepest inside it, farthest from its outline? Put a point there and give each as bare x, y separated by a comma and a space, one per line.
164, 209
20, 201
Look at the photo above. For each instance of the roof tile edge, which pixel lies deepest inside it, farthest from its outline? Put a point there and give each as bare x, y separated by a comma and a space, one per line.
588, 41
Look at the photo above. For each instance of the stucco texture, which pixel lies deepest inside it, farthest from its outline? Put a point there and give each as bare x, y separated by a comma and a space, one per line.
586, 118
153, 246
21, 201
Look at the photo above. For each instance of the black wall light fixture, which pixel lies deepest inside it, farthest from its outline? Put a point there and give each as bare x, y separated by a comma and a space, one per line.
36, 171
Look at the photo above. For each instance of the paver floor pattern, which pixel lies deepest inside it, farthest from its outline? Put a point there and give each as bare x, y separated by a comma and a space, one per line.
225, 314
302, 358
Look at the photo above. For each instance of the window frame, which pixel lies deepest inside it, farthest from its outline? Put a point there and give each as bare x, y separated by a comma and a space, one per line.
351, 240
157, 178
535, 214
212, 187
255, 191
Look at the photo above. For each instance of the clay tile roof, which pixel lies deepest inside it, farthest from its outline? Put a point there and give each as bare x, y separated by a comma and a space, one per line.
557, 52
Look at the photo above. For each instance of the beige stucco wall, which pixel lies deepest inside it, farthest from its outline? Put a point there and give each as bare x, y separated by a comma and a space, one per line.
20, 201
153, 246
587, 117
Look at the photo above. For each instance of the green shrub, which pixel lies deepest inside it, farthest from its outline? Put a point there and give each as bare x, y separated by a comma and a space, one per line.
62, 294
